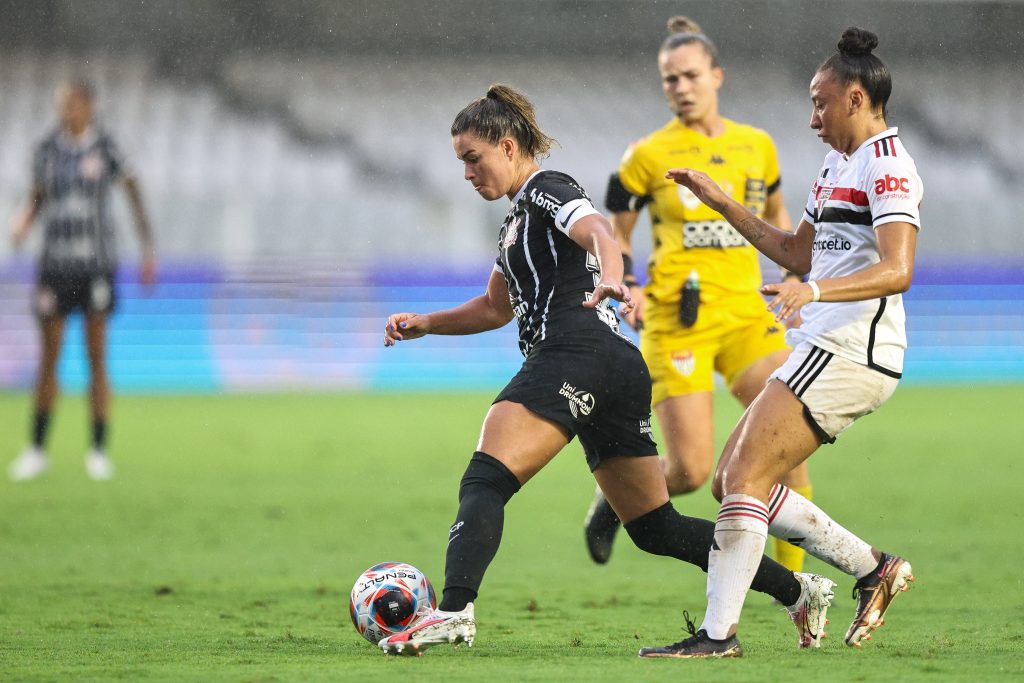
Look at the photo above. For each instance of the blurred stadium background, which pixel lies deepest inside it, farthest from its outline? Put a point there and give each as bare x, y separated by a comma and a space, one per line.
296, 161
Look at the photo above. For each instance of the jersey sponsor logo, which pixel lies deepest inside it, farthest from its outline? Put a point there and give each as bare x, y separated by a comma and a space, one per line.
716, 160
565, 223
891, 184
684, 362
545, 201
520, 309
100, 294
645, 425
716, 234
511, 232
91, 166
581, 402
832, 244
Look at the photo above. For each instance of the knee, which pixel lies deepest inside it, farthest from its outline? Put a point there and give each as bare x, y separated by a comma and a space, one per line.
685, 477
488, 473
649, 531
717, 488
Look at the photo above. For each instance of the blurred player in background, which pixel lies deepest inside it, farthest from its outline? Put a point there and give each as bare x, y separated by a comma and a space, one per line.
858, 239
700, 311
73, 171
558, 267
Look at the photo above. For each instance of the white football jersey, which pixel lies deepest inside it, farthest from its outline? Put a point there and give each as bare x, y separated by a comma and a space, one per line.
851, 198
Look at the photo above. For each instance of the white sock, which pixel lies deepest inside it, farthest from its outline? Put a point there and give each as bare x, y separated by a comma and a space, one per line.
740, 534
793, 518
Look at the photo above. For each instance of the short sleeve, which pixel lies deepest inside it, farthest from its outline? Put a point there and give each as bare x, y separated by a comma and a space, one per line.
635, 170
116, 161
559, 197
894, 191
498, 268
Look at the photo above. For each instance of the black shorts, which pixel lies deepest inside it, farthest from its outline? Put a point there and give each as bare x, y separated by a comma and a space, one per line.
59, 294
596, 386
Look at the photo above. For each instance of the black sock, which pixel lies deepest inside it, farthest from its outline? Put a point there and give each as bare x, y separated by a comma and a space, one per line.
476, 534
99, 434
664, 531
40, 425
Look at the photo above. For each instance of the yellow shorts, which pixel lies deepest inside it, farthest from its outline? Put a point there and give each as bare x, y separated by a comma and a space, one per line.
726, 339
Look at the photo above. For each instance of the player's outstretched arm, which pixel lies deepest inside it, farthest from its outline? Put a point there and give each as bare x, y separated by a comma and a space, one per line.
144, 229
792, 251
489, 311
594, 234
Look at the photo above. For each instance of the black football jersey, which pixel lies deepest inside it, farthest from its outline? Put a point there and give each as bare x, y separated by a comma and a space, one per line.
75, 177
548, 275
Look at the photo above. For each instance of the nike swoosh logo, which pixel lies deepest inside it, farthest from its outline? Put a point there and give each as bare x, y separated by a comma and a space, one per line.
565, 223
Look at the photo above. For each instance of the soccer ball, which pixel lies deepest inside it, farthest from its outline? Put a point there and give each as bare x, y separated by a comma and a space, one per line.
389, 598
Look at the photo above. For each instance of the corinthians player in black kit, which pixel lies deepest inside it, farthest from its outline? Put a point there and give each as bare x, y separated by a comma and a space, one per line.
74, 169
557, 269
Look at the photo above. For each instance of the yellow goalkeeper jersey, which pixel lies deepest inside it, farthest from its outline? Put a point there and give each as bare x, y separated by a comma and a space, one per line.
688, 236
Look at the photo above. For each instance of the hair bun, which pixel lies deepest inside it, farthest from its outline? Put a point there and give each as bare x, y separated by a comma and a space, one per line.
857, 42
681, 24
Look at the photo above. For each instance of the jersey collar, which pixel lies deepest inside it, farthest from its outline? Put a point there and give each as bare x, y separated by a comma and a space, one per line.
872, 140
522, 190
86, 140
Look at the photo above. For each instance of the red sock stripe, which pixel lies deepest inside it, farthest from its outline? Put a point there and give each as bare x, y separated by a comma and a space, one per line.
749, 509
776, 500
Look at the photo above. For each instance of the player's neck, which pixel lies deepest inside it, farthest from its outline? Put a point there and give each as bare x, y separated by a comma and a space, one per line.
523, 174
710, 126
862, 133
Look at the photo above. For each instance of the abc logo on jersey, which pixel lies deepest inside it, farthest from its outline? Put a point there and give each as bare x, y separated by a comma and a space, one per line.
891, 184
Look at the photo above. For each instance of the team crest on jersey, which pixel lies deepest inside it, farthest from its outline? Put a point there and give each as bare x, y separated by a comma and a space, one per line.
511, 232
91, 166
684, 362
823, 195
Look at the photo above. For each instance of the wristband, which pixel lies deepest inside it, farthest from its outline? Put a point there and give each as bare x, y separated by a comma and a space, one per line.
815, 290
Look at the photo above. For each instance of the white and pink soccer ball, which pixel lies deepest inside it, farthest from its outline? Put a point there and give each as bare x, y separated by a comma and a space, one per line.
389, 598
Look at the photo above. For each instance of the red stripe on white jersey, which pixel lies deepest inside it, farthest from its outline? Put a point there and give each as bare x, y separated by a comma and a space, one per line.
850, 195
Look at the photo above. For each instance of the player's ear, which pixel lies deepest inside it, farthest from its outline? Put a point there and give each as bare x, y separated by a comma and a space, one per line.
508, 147
855, 98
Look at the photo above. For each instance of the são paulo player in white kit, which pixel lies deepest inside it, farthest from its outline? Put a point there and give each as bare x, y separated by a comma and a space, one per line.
857, 240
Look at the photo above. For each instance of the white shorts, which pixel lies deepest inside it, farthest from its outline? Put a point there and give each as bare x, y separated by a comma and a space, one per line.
835, 391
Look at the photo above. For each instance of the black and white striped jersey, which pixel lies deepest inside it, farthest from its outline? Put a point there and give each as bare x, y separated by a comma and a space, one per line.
75, 177
548, 275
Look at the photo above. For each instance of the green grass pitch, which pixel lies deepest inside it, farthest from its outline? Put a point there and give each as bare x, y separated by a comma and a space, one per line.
227, 544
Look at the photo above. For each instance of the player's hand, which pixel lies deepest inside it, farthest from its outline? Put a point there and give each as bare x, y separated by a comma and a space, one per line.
611, 290
635, 317
402, 326
20, 228
789, 298
701, 185
795, 320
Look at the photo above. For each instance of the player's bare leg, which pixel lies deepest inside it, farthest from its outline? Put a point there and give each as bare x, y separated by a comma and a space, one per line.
688, 433
745, 388
33, 461
97, 463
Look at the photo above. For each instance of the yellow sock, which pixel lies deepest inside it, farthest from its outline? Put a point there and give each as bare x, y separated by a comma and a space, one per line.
786, 554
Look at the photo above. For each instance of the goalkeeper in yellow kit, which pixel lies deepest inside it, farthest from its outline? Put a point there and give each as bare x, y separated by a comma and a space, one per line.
700, 311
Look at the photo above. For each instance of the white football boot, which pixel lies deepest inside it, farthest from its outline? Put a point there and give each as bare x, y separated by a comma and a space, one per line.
31, 464
436, 628
98, 466
808, 614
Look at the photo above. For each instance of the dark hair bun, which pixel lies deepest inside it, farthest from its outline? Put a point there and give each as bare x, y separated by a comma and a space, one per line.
857, 42
681, 24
